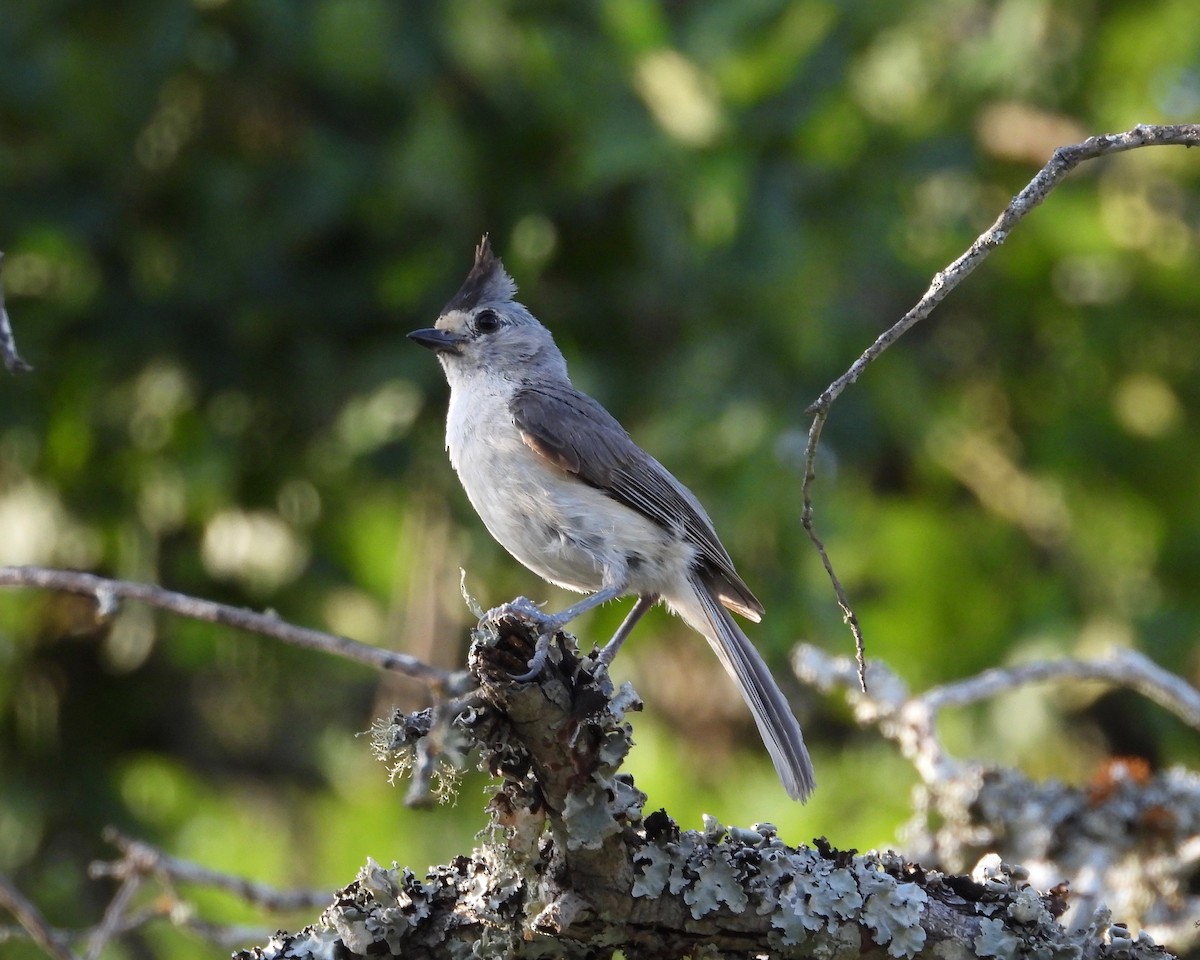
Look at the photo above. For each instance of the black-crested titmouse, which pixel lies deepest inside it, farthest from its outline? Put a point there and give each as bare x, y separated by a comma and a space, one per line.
560, 484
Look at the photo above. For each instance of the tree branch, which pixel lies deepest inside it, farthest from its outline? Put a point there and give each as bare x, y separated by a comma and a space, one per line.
107, 592
1121, 668
33, 923
141, 859
141, 864
1130, 838
1064, 160
575, 867
911, 721
575, 864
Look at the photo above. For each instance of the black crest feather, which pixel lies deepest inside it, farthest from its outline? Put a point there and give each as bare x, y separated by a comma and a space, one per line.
488, 281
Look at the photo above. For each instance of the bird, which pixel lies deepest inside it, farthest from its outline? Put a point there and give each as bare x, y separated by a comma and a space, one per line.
562, 486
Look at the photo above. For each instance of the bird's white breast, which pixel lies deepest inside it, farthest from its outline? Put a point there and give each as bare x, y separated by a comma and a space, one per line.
552, 522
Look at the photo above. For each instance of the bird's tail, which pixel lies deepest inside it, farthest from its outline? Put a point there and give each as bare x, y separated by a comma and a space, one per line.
776, 724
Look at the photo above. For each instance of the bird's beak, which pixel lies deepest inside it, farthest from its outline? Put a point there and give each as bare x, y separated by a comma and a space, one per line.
441, 341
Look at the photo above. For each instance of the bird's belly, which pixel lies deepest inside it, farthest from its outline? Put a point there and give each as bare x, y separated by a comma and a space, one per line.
562, 529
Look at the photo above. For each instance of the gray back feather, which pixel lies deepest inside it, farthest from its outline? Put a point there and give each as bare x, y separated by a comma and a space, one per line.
574, 432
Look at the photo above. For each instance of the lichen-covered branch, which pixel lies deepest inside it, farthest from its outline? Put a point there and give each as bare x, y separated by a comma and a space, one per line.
1121, 668
575, 867
1130, 839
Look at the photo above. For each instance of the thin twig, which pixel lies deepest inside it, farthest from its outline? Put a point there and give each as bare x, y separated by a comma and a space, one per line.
1064, 160
141, 859
8, 343
32, 921
103, 590
806, 519
114, 915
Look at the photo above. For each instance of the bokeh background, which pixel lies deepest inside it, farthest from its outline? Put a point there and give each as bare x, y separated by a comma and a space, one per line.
222, 216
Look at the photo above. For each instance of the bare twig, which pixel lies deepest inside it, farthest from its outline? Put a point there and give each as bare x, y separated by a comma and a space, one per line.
103, 590
114, 914
1064, 160
31, 919
8, 343
806, 519
138, 863
140, 859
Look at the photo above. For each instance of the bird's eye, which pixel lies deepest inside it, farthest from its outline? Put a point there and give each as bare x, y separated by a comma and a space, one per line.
487, 321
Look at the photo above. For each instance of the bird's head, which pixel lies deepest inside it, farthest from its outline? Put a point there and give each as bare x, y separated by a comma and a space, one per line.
483, 329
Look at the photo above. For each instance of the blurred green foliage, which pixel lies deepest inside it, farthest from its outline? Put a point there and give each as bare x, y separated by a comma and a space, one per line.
221, 217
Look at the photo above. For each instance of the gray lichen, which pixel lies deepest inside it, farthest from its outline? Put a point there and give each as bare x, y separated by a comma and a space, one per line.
1128, 840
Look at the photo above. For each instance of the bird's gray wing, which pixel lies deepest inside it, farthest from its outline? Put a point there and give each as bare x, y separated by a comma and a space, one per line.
574, 433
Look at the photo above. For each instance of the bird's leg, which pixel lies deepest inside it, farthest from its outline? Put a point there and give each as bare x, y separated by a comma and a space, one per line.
557, 621
644, 603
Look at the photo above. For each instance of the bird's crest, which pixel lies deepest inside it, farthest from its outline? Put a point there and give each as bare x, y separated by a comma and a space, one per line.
488, 281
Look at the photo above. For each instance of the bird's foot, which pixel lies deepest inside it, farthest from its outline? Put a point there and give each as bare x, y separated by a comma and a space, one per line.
522, 608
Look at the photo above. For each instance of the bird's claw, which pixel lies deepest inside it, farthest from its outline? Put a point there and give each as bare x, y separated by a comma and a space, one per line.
541, 651
608, 653
522, 608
